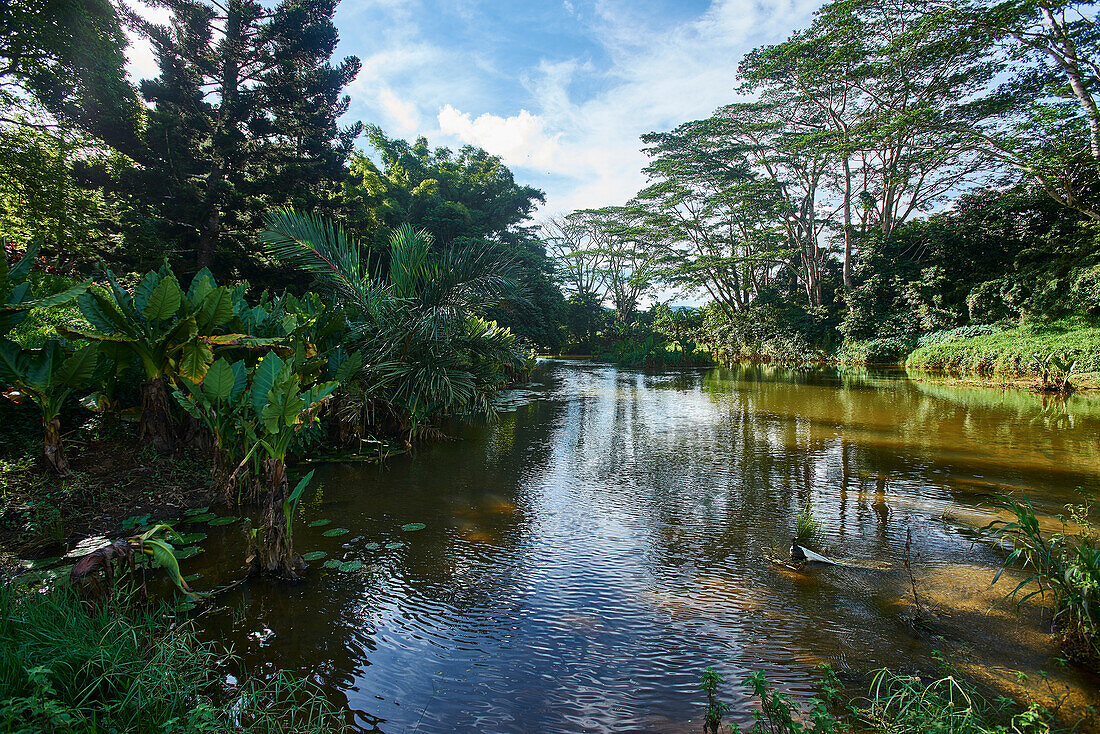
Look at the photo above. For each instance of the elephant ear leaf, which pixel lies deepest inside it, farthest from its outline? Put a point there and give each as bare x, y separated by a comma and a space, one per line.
219, 381
20, 270
215, 309
201, 284
164, 301
79, 368
285, 408
349, 367
11, 363
263, 379
145, 288
195, 360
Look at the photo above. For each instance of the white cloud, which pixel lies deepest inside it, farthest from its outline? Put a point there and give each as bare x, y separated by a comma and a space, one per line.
519, 140
403, 113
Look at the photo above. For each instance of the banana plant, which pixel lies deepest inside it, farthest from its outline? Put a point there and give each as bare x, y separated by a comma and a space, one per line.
173, 333
154, 544
46, 377
15, 291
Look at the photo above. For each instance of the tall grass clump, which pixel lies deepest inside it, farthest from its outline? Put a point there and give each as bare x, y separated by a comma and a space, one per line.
1064, 568
807, 528
68, 665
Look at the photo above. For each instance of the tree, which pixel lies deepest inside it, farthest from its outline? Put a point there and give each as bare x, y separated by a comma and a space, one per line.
463, 199
889, 83
1048, 125
578, 261
425, 351
244, 118
66, 58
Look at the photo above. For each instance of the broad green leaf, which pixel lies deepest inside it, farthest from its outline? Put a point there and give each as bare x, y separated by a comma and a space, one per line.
395, 544
373, 546
226, 520
348, 566
78, 369
319, 523
201, 284
145, 288
240, 380
207, 517
215, 310
285, 408
195, 360
12, 363
187, 552
20, 270
263, 379
332, 563
335, 532
162, 554
219, 381
164, 301
409, 527
197, 511
349, 367
59, 298
104, 316
314, 555
190, 538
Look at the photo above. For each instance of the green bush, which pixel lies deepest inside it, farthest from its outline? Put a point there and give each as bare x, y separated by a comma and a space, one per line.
1011, 352
889, 350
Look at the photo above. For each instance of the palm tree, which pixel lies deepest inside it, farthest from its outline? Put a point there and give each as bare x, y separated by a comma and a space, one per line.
426, 352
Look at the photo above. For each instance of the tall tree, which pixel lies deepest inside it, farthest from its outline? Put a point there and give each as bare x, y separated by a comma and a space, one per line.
244, 118
890, 82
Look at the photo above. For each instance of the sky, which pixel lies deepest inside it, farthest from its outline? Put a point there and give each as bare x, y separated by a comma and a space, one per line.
561, 90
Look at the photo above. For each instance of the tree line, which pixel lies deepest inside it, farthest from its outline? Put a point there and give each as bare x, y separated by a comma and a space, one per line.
899, 167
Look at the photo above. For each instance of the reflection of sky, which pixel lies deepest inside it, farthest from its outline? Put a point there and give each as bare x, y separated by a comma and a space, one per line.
590, 553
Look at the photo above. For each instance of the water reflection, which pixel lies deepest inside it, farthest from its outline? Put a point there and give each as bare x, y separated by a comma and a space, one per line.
587, 555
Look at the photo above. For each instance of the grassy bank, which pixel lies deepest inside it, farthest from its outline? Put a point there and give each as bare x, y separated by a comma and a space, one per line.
68, 665
1009, 353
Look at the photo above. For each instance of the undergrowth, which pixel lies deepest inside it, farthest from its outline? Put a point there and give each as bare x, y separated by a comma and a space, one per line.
74, 667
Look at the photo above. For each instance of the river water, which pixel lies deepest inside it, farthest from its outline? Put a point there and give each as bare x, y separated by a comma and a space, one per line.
615, 532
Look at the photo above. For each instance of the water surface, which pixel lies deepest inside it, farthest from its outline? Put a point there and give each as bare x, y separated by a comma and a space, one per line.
586, 556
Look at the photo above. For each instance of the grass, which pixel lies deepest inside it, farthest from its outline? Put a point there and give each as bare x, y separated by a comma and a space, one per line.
1011, 352
807, 529
1065, 567
75, 667
894, 704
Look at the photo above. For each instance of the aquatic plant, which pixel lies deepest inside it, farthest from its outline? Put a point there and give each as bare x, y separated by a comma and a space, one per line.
1055, 369
781, 714
709, 682
1064, 566
807, 529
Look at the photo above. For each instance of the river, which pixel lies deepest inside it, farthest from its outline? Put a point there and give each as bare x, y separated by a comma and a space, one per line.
587, 555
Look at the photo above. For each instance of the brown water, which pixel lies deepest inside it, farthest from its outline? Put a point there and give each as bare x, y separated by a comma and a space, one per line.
586, 556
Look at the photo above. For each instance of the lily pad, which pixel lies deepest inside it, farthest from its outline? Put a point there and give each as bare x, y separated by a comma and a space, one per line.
197, 511
136, 521
373, 546
409, 527
335, 531
203, 518
394, 544
319, 523
314, 555
191, 550
189, 538
226, 520
348, 566
332, 563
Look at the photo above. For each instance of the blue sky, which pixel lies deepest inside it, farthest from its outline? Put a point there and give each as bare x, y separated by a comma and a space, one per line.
560, 89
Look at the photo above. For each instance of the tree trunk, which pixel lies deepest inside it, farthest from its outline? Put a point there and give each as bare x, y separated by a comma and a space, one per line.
52, 451
157, 425
847, 225
272, 548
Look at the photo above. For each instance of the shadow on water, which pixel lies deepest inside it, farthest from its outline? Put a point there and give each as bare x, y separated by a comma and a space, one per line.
586, 556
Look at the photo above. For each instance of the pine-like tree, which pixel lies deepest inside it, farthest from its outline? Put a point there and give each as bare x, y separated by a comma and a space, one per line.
245, 118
